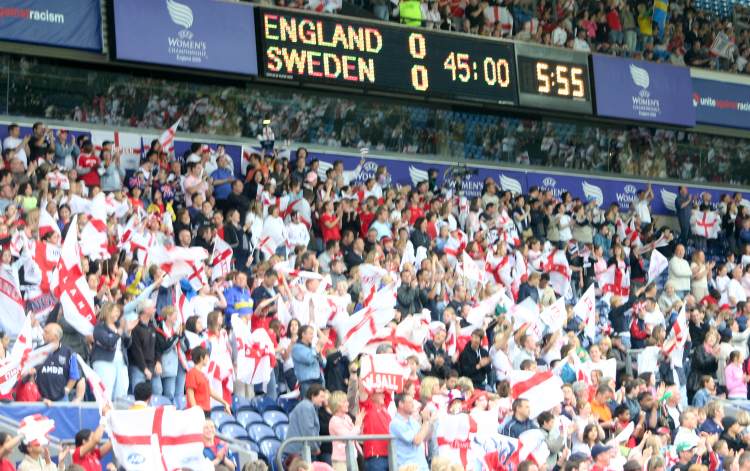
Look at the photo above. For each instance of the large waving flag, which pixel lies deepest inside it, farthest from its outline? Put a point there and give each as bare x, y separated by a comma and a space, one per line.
158, 439
94, 233
656, 265
167, 137
12, 305
660, 15
71, 287
585, 309
453, 434
221, 259
383, 371
256, 357
543, 390
35, 429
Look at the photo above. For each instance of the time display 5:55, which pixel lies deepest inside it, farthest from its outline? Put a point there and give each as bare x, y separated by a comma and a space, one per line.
553, 78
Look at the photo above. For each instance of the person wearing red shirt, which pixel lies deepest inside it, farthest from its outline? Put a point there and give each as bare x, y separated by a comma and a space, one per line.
330, 223
87, 454
377, 422
197, 389
9, 443
366, 216
87, 166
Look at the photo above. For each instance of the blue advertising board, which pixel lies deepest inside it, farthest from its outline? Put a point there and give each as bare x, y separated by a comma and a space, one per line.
72, 24
643, 91
197, 34
721, 103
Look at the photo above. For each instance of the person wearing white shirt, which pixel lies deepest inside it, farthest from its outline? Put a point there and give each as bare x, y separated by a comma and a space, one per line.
297, 232
735, 291
274, 227
642, 206
680, 273
14, 141
345, 177
580, 43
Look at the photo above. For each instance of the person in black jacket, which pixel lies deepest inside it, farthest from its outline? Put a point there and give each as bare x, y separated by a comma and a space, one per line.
238, 238
474, 360
437, 355
407, 296
419, 237
705, 362
142, 355
109, 356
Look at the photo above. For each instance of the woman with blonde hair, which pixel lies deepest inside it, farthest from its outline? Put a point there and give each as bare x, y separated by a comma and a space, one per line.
341, 424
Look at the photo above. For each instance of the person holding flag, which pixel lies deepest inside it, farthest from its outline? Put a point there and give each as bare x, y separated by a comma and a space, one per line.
87, 453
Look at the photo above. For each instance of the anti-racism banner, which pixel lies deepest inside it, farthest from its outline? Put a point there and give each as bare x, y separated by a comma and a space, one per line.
197, 34
721, 103
643, 91
72, 24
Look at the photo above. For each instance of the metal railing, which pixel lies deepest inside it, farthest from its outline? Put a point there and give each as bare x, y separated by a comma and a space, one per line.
351, 451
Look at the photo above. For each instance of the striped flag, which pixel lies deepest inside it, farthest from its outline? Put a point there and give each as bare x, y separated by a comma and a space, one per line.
102, 395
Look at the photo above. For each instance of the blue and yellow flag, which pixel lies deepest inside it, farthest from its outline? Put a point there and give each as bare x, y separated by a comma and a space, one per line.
660, 14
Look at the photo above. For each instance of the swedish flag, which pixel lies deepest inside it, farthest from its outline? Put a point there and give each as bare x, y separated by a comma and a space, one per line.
660, 13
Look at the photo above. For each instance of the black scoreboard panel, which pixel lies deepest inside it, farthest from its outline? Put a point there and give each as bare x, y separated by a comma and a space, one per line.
553, 78
370, 55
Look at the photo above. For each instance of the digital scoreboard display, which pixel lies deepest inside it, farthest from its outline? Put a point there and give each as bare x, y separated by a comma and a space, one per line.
313, 48
553, 78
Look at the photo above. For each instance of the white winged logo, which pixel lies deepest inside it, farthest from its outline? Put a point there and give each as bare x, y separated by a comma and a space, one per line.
640, 76
182, 15
593, 193
510, 184
669, 198
417, 175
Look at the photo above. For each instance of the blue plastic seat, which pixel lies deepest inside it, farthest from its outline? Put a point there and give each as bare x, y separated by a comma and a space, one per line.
274, 417
241, 403
180, 402
280, 430
233, 429
269, 448
264, 403
287, 404
259, 432
251, 445
220, 418
157, 400
247, 417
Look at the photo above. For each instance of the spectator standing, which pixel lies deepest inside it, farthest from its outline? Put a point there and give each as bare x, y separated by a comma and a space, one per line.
474, 360
88, 165
684, 206
238, 297
680, 273
59, 373
409, 434
66, 149
143, 360
307, 359
377, 421
87, 452
197, 389
303, 421
109, 357
341, 424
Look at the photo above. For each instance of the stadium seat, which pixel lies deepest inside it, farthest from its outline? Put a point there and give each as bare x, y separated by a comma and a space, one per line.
280, 430
258, 432
287, 404
264, 403
241, 403
251, 445
274, 417
269, 448
247, 417
233, 429
157, 401
220, 418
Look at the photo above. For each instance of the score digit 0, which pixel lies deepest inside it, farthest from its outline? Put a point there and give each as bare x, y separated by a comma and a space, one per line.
418, 50
496, 72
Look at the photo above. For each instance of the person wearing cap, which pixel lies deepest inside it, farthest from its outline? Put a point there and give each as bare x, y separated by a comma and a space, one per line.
686, 455
601, 454
578, 462
143, 359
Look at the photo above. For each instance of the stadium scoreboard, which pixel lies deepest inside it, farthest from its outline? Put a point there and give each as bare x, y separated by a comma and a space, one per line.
553, 78
375, 56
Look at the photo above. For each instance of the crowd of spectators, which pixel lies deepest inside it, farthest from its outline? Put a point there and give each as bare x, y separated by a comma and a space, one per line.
306, 242
116, 100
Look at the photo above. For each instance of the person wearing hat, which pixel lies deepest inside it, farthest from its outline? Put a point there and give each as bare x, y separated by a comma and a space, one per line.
601, 454
578, 462
686, 455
